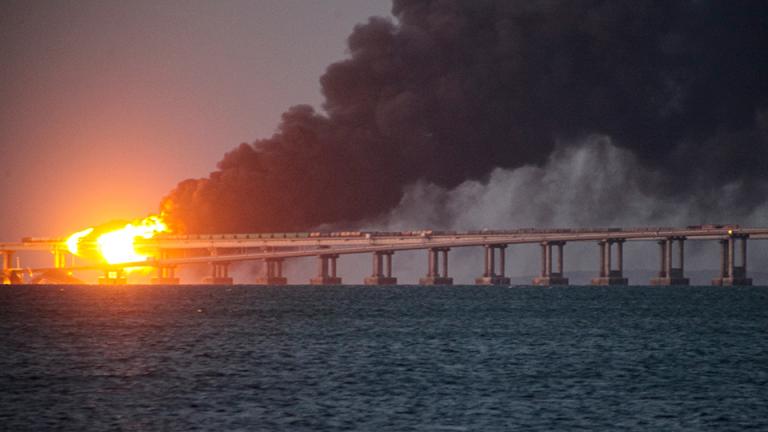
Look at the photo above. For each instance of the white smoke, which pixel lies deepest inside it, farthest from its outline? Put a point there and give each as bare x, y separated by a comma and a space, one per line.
592, 184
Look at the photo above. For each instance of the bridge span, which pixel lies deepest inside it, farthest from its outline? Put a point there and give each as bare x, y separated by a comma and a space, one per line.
220, 250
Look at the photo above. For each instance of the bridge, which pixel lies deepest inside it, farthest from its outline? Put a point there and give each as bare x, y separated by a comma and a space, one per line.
221, 250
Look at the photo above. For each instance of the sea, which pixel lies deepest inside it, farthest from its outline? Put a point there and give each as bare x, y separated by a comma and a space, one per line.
397, 358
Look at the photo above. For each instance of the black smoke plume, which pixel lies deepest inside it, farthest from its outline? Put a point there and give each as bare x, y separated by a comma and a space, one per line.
452, 89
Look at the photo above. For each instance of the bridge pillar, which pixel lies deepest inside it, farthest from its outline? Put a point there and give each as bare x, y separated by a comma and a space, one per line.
59, 258
165, 274
7, 276
548, 276
434, 274
219, 274
490, 275
732, 274
273, 273
609, 275
113, 276
326, 271
668, 273
382, 269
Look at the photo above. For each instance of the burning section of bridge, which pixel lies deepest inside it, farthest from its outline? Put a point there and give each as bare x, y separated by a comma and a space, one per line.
115, 243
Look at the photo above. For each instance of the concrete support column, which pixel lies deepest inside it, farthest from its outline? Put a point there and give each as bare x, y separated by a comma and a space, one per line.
322, 266
491, 276
548, 259
445, 263
602, 259
333, 259
59, 258
732, 274
490, 261
731, 260
273, 273
6, 259
548, 276
744, 254
432, 257
382, 269
219, 274
681, 255
723, 258
378, 263
166, 275
502, 260
435, 276
608, 276
669, 274
326, 271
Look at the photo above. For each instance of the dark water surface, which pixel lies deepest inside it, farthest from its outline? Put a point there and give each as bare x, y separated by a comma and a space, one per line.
383, 358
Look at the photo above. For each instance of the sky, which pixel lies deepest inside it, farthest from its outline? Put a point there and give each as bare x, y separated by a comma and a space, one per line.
108, 104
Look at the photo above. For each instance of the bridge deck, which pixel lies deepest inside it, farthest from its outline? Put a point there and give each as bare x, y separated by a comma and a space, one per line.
258, 246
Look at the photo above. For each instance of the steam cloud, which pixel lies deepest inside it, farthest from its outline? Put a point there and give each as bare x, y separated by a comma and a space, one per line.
454, 90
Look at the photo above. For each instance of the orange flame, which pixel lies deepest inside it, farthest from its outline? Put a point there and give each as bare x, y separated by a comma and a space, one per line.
117, 246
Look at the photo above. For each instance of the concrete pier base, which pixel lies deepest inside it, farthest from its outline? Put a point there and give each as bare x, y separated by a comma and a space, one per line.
492, 280
550, 281
165, 281
221, 280
727, 281
436, 280
274, 280
106, 280
670, 281
325, 280
615, 278
380, 280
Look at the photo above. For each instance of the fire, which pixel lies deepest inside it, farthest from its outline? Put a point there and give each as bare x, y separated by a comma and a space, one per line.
116, 246
73, 242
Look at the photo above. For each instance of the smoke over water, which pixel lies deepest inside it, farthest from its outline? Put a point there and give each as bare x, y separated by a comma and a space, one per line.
465, 98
